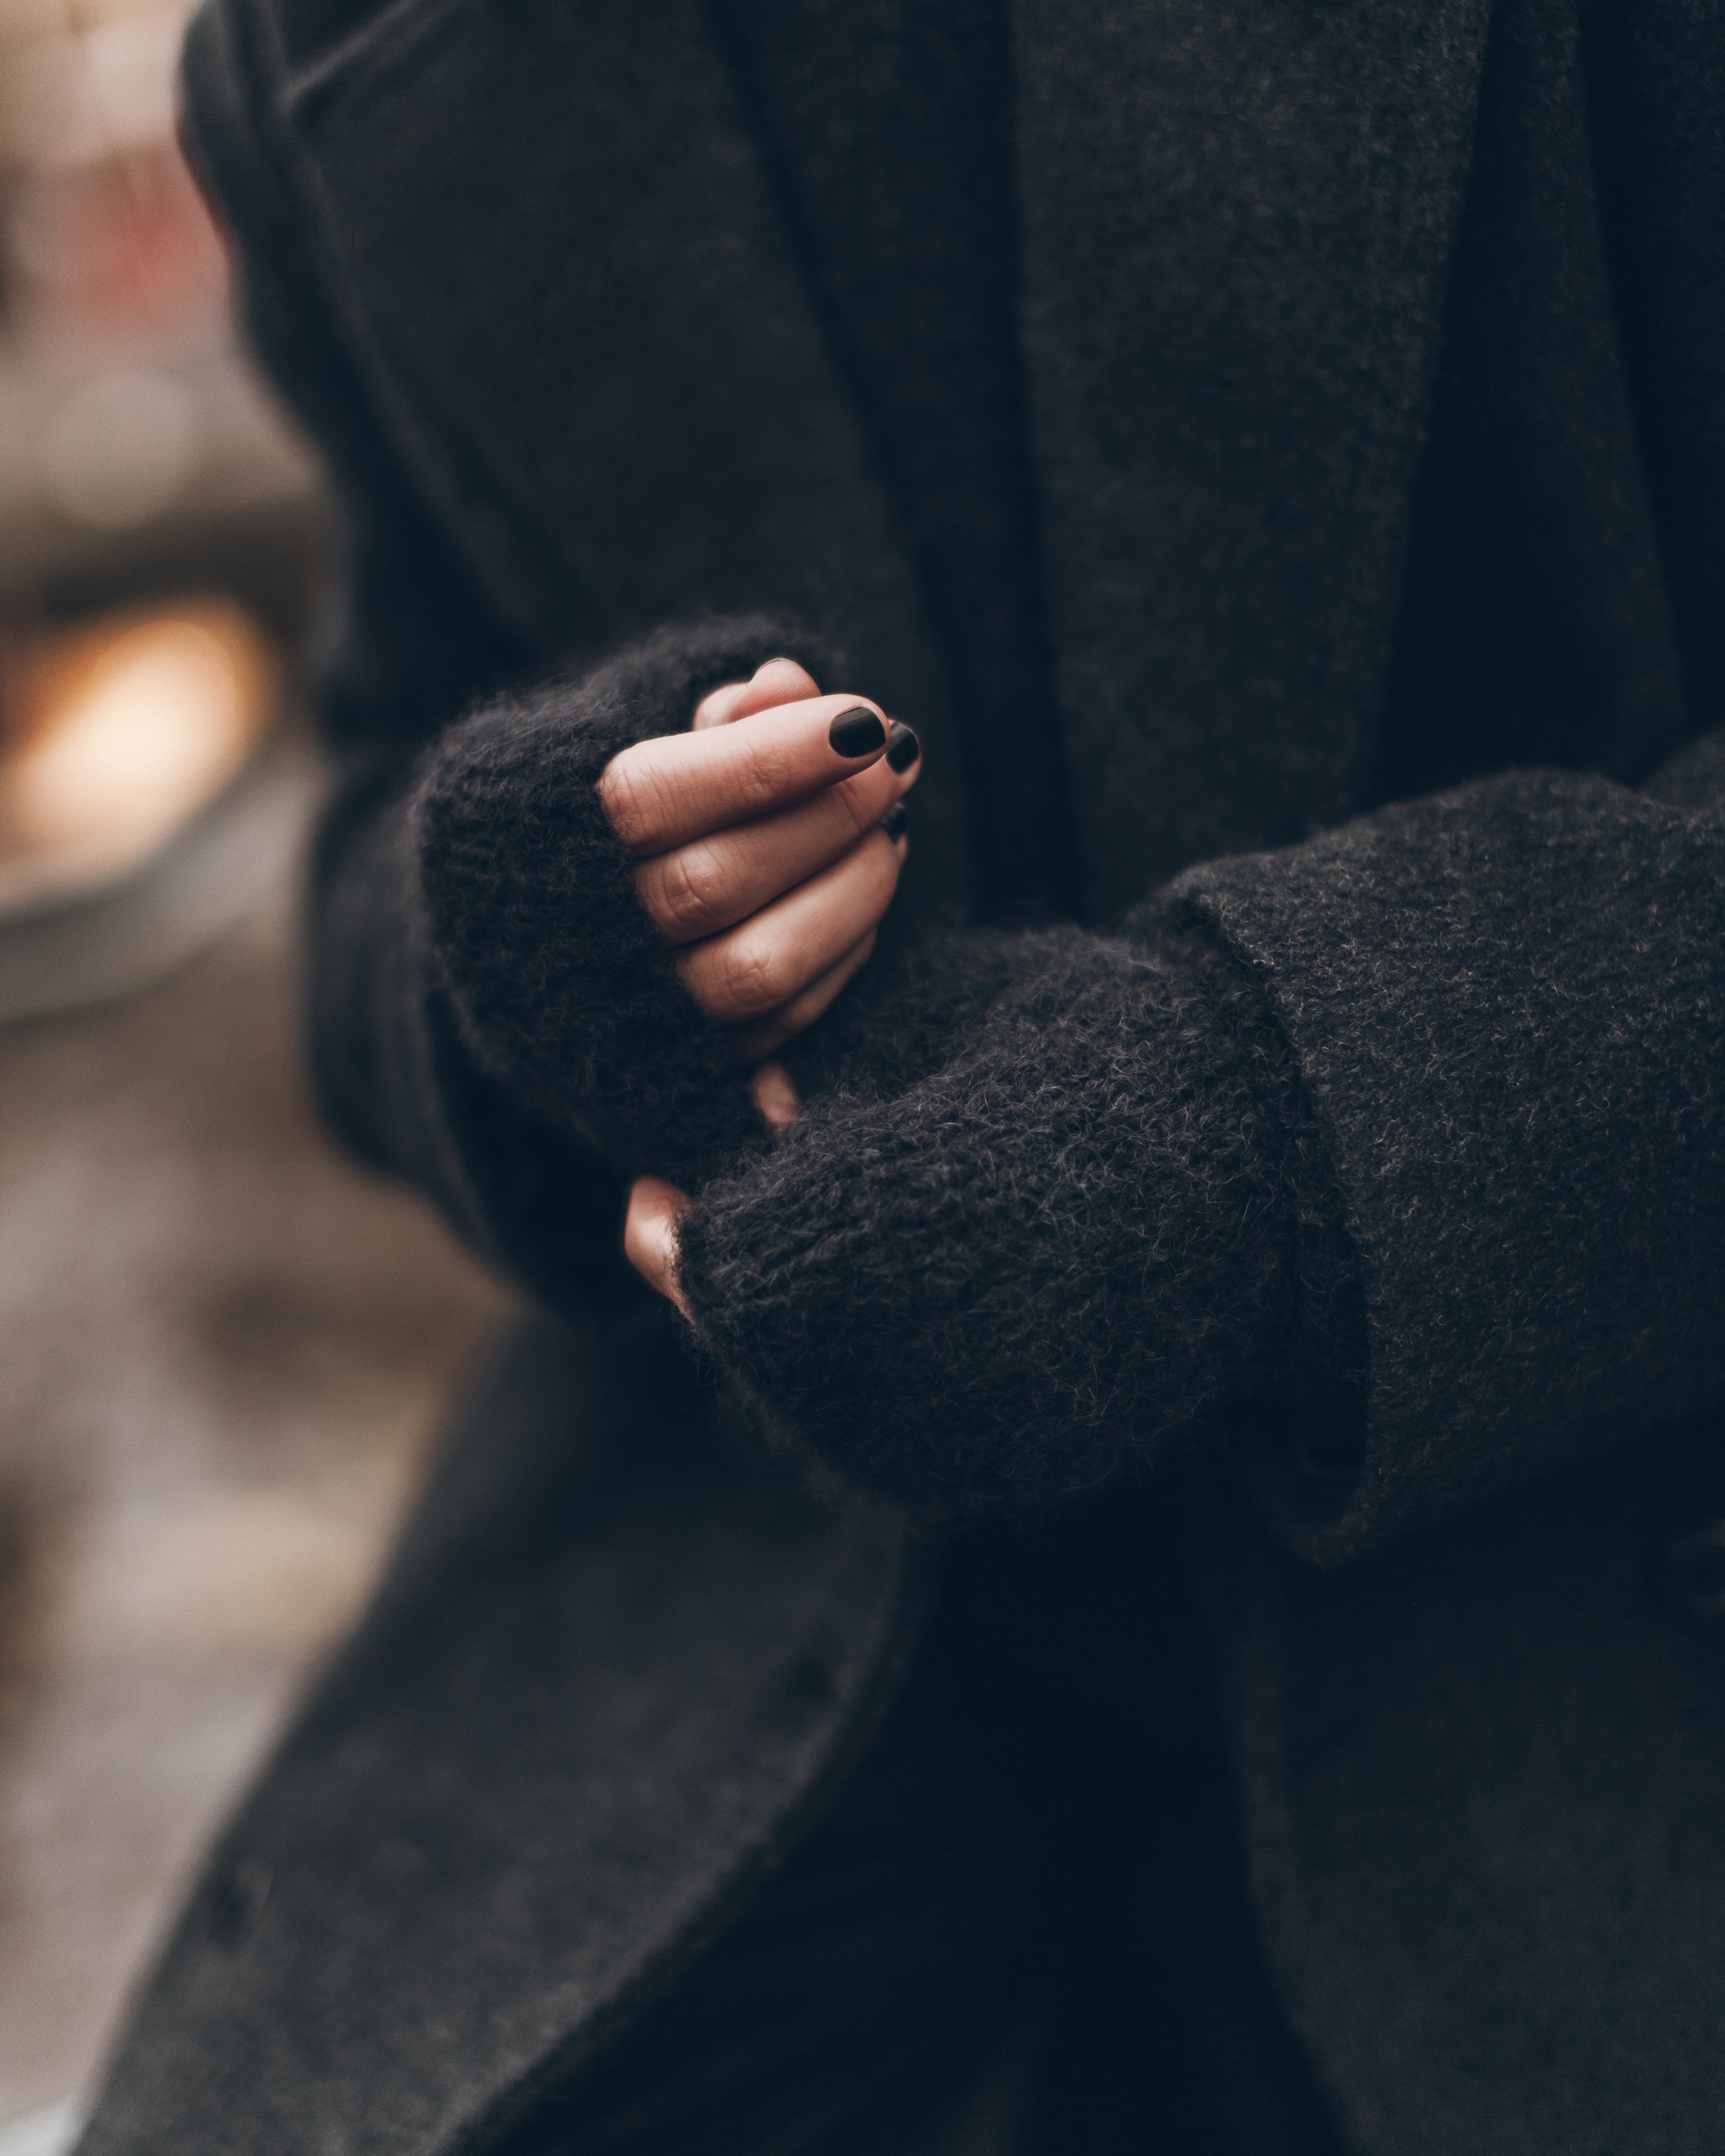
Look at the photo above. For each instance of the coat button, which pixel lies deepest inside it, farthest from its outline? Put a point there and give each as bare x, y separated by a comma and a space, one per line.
1692, 1574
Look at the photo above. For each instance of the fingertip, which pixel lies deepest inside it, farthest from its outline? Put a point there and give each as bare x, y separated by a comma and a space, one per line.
655, 1199
650, 1235
898, 843
773, 682
786, 675
776, 681
776, 1095
718, 707
856, 732
903, 749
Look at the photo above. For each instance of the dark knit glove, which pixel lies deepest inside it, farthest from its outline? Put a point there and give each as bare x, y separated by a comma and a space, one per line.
913, 1008
561, 987
1102, 1219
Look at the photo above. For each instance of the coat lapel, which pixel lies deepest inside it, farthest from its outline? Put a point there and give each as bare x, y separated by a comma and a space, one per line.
585, 325
1237, 221
613, 1658
1236, 228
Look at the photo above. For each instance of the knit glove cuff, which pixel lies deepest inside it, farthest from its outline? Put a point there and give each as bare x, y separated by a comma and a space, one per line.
563, 988
1104, 1221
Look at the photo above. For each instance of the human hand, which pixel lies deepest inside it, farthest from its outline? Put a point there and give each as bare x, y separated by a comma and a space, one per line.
761, 848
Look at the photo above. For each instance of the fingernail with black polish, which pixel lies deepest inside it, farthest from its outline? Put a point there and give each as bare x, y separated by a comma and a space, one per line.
856, 733
903, 747
896, 820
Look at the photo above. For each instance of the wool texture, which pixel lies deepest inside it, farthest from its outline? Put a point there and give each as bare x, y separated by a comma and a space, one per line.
1369, 442
994, 1276
564, 990
1531, 1132
867, 115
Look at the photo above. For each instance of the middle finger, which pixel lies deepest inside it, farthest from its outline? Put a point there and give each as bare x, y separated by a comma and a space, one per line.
696, 889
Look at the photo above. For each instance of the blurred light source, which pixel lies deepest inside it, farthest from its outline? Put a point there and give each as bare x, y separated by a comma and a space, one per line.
81, 93
126, 411
124, 730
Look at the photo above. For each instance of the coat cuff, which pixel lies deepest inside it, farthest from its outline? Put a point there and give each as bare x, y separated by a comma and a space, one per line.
1504, 1005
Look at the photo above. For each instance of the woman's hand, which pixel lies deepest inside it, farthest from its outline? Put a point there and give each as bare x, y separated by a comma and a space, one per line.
760, 847
762, 853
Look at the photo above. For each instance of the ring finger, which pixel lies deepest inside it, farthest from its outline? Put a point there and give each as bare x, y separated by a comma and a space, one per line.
771, 957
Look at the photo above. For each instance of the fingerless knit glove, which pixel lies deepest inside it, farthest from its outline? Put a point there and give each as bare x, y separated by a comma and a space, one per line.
561, 985
1010, 1253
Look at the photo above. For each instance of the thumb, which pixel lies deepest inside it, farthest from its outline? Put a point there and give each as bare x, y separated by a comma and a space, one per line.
650, 1235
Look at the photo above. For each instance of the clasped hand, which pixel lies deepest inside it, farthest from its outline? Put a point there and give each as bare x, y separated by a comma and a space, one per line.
768, 850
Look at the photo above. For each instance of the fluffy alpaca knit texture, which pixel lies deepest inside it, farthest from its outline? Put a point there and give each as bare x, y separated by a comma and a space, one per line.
1030, 1236
563, 989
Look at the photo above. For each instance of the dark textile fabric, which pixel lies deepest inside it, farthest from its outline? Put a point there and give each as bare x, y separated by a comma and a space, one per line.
896, 1982
1239, 229
1102, 1220
346, 1977
1541, 1094
1020, 1925
1533, 430
1483, 1768
1274, 449
888, 135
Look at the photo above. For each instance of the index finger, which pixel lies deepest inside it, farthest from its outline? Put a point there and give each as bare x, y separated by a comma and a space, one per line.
663, 792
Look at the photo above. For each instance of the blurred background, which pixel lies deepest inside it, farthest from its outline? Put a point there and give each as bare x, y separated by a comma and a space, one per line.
222, 1349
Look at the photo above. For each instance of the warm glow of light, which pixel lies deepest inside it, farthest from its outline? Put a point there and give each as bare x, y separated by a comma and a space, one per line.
125, 730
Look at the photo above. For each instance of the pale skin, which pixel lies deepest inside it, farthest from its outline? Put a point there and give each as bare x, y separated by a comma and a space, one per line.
760, 855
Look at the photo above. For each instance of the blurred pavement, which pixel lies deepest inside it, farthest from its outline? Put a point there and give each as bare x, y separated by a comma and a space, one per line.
224, 1350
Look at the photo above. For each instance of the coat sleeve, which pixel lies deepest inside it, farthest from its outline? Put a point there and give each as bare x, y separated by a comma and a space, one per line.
490, 1014
1508, 1007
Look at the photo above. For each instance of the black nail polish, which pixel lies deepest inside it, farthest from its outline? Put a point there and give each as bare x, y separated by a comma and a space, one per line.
904, 747
896, 820
856, 733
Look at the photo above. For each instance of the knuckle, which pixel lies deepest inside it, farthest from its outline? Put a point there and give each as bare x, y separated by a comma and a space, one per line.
751, 979
690, 891
765, 776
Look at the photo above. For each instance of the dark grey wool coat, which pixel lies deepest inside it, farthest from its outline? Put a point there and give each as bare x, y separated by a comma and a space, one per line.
1274, 453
